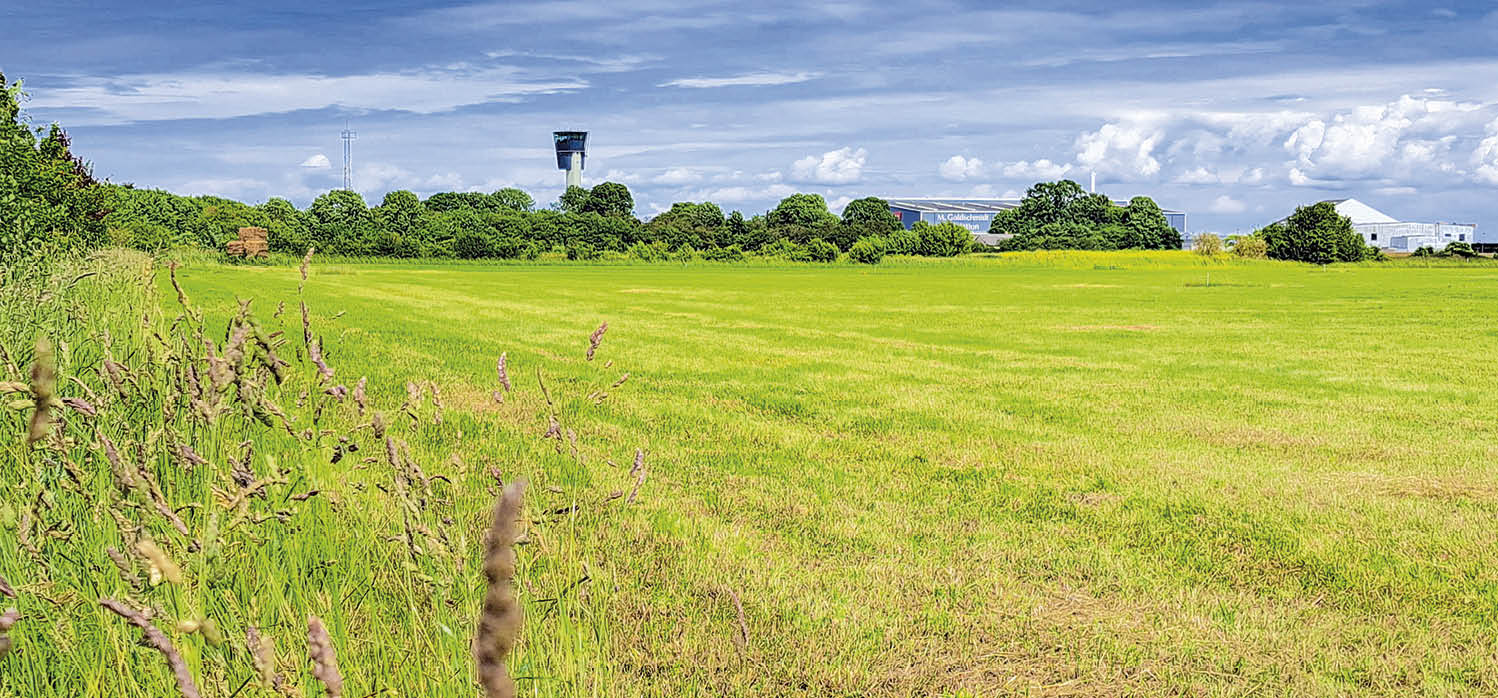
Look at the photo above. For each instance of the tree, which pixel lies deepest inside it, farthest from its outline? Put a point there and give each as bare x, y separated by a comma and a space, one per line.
612, 199
1207, 244
806, 210
819, 250
1458, 249
1146, 227
1315, 234
943, 239
870, 216
512, 199
572, 200
339, 218
49, 198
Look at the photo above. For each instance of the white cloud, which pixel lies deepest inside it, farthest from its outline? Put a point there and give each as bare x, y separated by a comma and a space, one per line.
841, 166
836, 205
958, 168
1227, 204
678, 175
747, 80
1199, 175
1123, 150
1040, 169
1485, 156
168, 96
988, 191
229, 188
1408, 135
739, 194
317, 162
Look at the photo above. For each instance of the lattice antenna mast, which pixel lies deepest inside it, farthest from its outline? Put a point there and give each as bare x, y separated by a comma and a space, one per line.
348, 157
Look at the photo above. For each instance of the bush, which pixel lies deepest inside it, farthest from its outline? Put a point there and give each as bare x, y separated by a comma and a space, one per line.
785, 249
943, 239
902, 241
1374, 253
685, 253
472, 244
819, 250
1207, 245
1251, 247
1424, 251
732, 253
1459, 249
868, 250
650, 251
580, 250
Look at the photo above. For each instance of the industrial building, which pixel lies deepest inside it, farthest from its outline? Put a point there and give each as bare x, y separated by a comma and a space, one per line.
977, 214
1382, 230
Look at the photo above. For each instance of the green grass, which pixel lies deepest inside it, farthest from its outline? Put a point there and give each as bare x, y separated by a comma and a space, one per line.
1073, 473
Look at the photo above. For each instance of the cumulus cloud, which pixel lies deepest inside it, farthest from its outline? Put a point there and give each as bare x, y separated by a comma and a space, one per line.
317, 162
841, 166
958, 168
1227, 204
1039, 169
1119, 149
1405, 136
1485, 156
747, 80
228, 187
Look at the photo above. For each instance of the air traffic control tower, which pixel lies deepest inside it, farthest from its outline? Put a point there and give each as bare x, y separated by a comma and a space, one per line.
572, 149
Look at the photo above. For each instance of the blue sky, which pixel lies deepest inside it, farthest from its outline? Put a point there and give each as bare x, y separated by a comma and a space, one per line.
1232, 111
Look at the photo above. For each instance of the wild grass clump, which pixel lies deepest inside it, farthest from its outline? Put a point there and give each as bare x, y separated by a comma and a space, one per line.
204, 477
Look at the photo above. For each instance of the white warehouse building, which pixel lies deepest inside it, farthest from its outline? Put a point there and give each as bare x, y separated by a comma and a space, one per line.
1385, 231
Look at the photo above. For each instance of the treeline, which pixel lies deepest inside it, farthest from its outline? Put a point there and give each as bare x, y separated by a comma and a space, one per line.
1063, 216
582, 224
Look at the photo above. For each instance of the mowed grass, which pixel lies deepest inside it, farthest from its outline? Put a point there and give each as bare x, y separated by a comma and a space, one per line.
1063, 474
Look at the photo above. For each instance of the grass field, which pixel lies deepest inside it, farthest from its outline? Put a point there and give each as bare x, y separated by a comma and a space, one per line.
1063, 474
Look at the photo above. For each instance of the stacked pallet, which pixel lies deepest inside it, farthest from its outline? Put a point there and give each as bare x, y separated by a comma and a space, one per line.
251, 244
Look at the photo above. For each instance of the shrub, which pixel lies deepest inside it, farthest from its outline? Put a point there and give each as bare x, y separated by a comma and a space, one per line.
1459, 249
685, 253
1374, 253
732, 253
580, 250
1207, 245
785, 249
868, 250
902, 241
1424, 251
650, 251
1251, 247
471, 244
819, 250
943, 239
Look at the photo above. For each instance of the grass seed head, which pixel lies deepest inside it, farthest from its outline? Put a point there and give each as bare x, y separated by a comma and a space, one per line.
161, 567
7, 621
43, 387
158, 640
596, 339
500, 620
324, 659
504, 373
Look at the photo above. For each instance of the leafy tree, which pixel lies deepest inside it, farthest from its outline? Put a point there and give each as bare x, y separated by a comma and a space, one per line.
806, 210
689, 223
1315, 234
49, 198
870, 216
731, 253
1146, 227
572, 200
943, 239
339, 218
613, 199
868, 250
512, 199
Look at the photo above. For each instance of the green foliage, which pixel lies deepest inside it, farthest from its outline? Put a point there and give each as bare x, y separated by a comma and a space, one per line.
902, 241
1250, 247
572, 200
869, 250
1061, 215
512, 199
802, 210
1374, 253
1207, 244
1458, 249
819, 250
1315, 234
650, 251
1424, 251
49, 199
943, 239
784, 249
610, 199
731, 253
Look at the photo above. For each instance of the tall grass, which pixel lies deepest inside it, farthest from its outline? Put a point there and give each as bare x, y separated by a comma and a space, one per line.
204, 484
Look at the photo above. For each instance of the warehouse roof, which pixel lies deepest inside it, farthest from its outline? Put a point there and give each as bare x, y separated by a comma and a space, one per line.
939, 205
